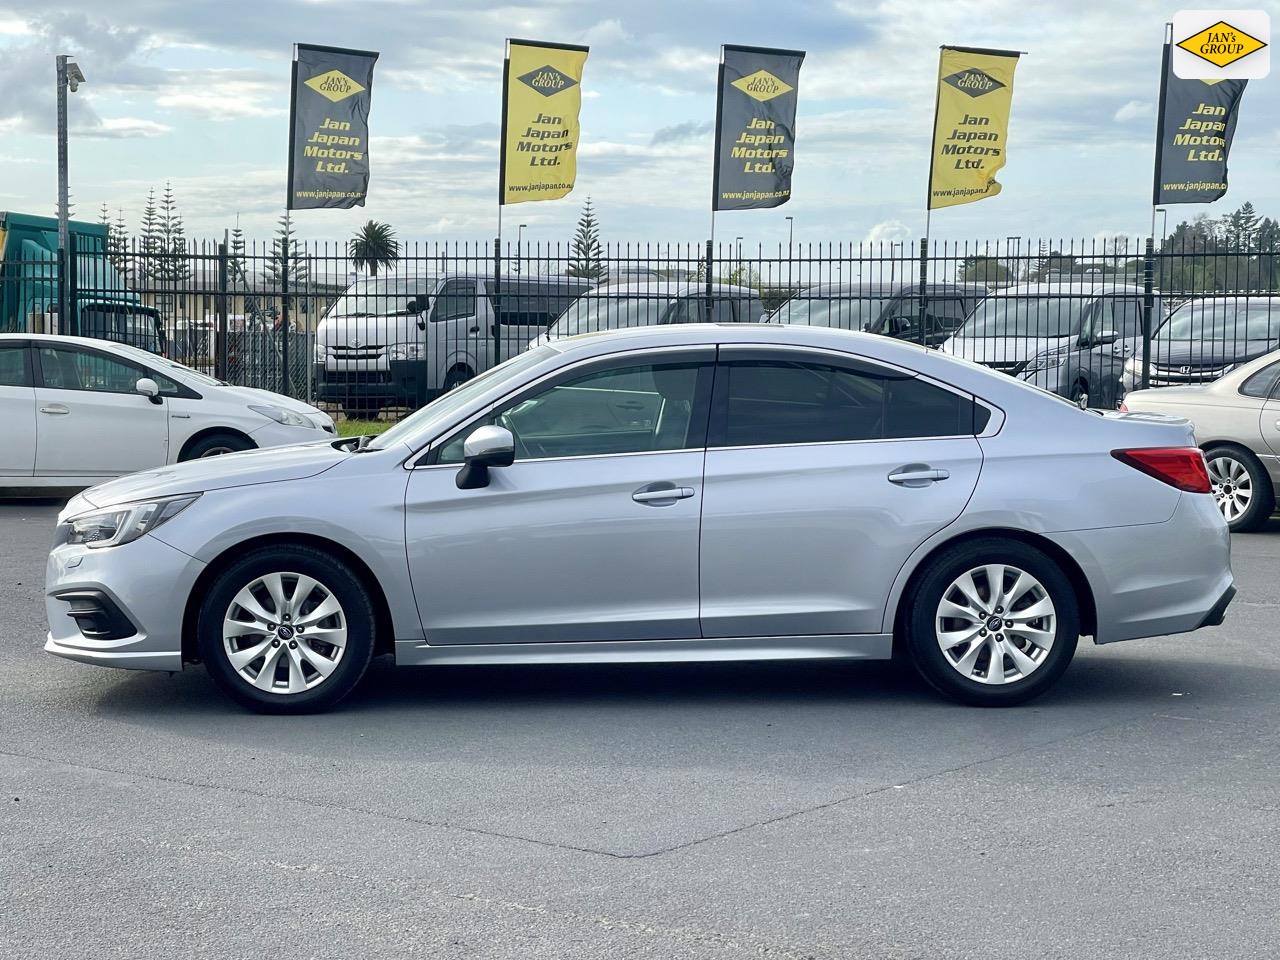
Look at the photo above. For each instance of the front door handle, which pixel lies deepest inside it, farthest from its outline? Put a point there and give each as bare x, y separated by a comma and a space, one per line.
913, 475
661, 494
55, 410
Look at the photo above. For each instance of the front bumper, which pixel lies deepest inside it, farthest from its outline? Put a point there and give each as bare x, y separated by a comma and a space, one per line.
146, 583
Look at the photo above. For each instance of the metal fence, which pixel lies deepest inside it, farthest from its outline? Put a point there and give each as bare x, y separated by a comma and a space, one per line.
1087, 319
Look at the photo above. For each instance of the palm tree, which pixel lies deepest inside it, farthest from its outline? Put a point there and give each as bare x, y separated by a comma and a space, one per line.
374, 245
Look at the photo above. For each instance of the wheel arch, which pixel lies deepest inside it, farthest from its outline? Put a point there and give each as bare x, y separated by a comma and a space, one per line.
1079, 582
385, 642
206, 432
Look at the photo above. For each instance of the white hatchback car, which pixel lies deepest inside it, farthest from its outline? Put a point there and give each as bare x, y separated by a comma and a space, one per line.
76, 411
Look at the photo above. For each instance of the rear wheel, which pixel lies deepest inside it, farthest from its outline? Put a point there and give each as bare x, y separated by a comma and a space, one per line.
1241, 487
992, 623
287, 629
215, 445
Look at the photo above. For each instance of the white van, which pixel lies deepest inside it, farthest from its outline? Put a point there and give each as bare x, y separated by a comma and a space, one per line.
357, 336
467, 326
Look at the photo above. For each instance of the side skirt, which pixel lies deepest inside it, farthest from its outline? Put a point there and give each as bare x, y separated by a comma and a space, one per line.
865, 646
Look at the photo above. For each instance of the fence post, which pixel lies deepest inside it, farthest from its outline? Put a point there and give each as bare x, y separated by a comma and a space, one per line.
1148, 307
497, 301
924, 280
710, 254
286, 386
220, 336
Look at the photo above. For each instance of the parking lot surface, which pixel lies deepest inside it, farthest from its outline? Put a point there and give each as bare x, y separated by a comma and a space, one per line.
789, 811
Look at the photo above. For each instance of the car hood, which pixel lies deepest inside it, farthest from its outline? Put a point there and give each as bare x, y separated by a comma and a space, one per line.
1206, 353
272, 465
262, 397
1001, 349
368, 331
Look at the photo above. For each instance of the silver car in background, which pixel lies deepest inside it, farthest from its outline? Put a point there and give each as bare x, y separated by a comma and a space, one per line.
1237, 424
668, 493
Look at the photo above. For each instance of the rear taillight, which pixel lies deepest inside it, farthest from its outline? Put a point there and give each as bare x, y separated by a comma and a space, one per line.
1122, 408
1181, 467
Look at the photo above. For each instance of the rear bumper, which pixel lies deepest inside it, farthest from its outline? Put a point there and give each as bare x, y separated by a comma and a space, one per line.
1215, 616
1158, 578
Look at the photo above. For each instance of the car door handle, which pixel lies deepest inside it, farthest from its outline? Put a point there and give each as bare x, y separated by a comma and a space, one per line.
661, 493
913, 476
631, 405
55, 410
473, 329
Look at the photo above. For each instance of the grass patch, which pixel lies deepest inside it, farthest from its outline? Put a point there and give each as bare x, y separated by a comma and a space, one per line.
359, 428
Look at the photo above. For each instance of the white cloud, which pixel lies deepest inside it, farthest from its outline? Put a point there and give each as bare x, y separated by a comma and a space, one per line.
123, 128
889, 231
1135, 110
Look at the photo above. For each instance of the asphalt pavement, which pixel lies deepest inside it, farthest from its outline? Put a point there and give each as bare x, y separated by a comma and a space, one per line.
726, 811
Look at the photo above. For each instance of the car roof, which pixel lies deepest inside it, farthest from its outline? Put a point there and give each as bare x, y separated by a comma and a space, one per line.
880, 289
670, 288
1053, 288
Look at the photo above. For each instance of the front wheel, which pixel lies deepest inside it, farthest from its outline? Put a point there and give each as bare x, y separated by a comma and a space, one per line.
992, 623
287, 629
1241, 487
217, 444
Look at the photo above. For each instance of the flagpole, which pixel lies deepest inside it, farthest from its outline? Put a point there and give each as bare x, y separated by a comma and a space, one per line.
1165, 66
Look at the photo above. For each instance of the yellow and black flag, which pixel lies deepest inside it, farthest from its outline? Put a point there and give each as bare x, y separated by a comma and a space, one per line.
970, 124
541, 97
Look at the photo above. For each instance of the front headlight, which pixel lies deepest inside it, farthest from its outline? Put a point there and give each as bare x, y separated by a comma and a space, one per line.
1133, 365
406, 351
322, 353
125, 523
1041, 362
281, 415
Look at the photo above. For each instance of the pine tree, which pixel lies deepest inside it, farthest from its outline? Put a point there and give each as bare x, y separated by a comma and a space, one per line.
297, 266
1240, 228
118, 244
150, 245
173, 238
104, 216
587, 257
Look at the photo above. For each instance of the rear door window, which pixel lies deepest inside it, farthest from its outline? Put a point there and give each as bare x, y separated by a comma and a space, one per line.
14, 371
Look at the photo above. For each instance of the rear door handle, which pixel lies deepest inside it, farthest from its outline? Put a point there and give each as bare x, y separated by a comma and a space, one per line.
917, 476
55, 409
661, 493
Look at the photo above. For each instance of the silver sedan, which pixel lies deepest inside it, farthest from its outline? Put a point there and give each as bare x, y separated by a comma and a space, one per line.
675, 493
1237, 424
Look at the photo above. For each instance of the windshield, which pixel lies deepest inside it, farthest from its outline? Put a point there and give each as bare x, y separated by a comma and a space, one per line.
591, 313
380, 298
416, 429
817, 310
165, 364
1014, 316
1223, 320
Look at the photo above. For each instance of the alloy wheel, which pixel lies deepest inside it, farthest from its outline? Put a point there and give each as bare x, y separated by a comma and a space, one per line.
216, 452
995, 624
1232, 486
284, 633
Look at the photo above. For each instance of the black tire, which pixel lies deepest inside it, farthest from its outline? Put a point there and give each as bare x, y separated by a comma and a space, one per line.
356, 614
456, 378
1262, 502
936, 666
216, 444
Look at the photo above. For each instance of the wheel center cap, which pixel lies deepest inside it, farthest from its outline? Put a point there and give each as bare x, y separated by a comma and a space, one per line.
285, 632
994, 623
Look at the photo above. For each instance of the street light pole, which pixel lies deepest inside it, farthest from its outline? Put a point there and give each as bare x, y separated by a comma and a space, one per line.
64, 198
519, 244
69, 76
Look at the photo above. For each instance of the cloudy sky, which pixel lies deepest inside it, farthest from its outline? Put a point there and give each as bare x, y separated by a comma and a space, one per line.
196, 93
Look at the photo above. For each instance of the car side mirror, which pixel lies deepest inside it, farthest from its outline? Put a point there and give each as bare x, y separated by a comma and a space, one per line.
1104, 338
149, 389
486, 447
